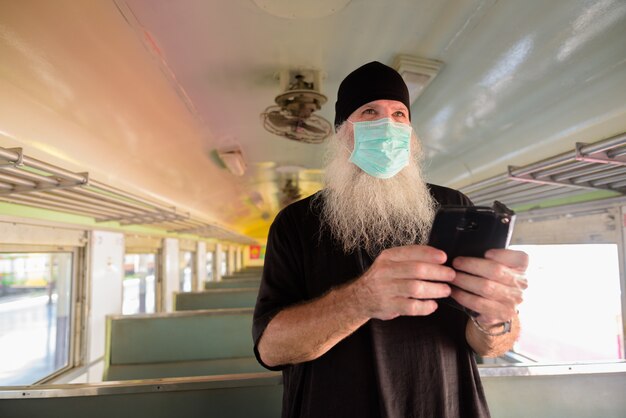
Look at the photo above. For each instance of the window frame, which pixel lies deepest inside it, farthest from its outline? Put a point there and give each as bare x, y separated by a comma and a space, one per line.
158, 279
210, 273
194, 269
78, 307
613, 208
149, 244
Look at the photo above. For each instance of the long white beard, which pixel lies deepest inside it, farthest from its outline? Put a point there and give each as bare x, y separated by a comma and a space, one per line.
362, 211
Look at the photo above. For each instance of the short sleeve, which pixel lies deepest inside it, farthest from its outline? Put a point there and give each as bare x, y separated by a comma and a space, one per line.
282, 283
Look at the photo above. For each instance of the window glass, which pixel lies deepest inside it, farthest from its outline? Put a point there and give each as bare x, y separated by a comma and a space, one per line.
224, 263
186, 270
209, 265
139, 284
35, 315
572, 307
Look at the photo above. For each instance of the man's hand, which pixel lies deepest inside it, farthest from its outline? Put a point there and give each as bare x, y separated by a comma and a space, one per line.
492, 286
393, 286
403, 281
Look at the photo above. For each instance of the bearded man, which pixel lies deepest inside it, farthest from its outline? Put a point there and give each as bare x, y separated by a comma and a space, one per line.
348, 305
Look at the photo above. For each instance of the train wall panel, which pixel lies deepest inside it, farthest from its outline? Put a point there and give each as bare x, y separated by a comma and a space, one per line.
106, 258
557, 396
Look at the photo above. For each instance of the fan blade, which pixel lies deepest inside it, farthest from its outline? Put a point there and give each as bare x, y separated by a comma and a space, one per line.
279, 120
311, 128
296, 124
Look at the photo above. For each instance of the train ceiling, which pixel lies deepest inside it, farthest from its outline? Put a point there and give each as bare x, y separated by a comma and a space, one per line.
145, 94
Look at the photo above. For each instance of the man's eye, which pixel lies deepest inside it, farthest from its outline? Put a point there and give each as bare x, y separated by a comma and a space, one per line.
399, 113
369, 112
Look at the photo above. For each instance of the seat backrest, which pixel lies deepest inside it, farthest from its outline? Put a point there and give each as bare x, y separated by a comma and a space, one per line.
216, 299
179, 336
256, 395
233, 283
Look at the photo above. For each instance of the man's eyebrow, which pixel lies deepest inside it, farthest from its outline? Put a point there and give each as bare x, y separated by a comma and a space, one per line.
368, 106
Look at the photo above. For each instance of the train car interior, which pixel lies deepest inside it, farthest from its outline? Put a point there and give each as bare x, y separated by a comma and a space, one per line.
146, 146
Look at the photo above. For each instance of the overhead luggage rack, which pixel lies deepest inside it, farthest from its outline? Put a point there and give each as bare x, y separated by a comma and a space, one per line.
600, 166
31, 182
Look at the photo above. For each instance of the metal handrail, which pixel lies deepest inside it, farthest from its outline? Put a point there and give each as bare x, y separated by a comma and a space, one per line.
172, 384
16, 156
568, 172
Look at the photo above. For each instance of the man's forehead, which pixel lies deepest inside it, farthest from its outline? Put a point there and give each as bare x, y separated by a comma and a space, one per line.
392, 104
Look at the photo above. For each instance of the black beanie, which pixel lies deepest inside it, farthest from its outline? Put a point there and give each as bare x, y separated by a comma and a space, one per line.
372, 81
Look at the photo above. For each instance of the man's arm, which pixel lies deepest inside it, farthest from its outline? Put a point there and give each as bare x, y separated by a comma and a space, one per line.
393, 285
491, 346
306, 331
493, 287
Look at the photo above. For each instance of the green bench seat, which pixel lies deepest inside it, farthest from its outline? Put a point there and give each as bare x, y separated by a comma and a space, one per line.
216, 299
242, 276
184, 368
179, 344
233, 283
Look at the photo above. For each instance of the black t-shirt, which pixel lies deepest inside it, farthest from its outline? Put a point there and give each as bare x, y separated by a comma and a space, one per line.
401, 368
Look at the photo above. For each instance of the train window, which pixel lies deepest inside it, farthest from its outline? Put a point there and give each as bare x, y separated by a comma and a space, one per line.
572, 308
139, 288
36, 315
186, 270
209, 266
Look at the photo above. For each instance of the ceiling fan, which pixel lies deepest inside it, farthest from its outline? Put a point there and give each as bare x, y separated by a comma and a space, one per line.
293, 115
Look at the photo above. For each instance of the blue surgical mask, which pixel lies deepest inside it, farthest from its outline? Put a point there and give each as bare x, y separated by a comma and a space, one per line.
381, 147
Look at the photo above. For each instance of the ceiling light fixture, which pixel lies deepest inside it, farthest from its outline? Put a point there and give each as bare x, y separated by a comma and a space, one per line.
233, 160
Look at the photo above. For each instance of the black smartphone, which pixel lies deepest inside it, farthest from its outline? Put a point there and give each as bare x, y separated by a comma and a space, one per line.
470, 231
